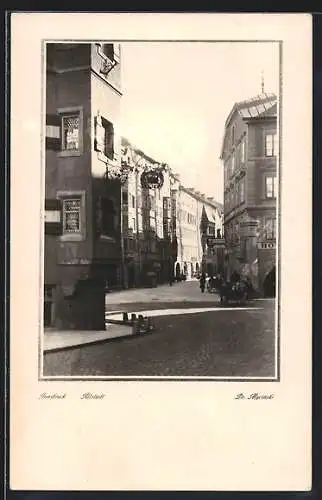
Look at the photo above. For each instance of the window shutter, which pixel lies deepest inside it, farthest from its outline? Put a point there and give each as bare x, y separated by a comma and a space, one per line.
53, 132
53, 217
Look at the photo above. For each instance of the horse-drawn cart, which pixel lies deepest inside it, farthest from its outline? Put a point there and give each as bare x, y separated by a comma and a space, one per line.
236, 292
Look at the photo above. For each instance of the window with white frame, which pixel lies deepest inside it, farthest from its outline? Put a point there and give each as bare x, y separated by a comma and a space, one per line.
72, 216
270, 145
270, 186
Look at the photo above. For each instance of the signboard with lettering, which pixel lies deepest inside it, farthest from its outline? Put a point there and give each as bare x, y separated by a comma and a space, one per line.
266, 245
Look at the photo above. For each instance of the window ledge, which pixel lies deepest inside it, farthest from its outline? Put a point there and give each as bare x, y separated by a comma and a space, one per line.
72, 237
66, 153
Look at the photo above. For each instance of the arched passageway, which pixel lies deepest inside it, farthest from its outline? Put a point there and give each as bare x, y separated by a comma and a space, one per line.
269, 285
177, 270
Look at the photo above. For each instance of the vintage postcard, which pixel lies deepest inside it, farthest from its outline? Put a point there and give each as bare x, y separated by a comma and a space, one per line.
160, 251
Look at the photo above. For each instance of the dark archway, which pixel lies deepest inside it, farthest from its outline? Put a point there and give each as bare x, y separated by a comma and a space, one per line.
269, 285
178, 270
197, 268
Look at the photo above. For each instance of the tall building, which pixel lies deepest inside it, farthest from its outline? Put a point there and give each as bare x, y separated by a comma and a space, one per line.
82, 204
249, 154
146, 230
197, 219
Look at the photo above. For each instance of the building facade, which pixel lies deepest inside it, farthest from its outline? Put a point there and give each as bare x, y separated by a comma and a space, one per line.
113, 216
249, 154
197, 219
82, 149
146, 221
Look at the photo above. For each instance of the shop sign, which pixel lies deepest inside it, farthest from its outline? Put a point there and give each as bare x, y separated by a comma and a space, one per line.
266, 245
152, 179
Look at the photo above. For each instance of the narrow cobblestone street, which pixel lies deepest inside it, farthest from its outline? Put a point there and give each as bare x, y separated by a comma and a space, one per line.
223, 342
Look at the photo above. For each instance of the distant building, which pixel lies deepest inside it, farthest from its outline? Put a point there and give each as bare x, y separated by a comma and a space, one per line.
82, 217
249, 153
146, 229
197, 218
165, 230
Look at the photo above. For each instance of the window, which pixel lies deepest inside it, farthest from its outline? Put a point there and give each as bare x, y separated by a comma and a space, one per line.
242, 191
104, 137
152, 222
72, 216
232, 163
133, 224
108, 50
133, 201
64, 131
108, 139
270, 187
108, 217
270, 228
242, 146
233, 134
270, 145
71, 132
125, 198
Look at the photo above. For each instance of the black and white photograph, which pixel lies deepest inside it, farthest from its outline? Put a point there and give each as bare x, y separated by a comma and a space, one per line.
160, 252
161, 175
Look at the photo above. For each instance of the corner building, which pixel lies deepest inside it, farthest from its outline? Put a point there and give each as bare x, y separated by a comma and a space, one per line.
249, 154
82, 215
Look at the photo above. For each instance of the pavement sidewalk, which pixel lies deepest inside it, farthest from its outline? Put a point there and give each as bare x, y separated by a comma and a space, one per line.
64, 339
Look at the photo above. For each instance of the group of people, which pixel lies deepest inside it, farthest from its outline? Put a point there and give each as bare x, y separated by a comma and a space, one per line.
217, 281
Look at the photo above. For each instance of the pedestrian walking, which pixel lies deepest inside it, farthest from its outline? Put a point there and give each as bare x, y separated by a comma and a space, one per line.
202, 282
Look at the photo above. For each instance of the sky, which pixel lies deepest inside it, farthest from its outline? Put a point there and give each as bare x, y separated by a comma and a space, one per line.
177, 96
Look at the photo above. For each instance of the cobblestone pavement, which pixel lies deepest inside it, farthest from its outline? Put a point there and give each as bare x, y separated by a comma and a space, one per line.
238, 343
188, 291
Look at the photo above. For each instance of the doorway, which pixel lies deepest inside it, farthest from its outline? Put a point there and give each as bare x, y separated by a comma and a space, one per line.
269, 284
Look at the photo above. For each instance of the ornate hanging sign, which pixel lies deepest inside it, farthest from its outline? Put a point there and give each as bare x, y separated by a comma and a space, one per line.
152, 179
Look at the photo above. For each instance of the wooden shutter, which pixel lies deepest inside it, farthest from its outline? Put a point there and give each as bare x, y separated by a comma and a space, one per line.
53, 217
53, 132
